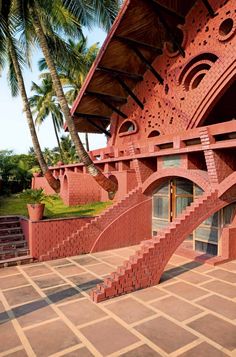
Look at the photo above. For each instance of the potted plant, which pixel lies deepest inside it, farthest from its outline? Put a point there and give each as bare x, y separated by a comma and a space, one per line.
36, 199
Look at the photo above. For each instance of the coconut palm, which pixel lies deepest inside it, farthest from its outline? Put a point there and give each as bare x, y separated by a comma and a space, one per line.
11, 53
44, 104
72, 77
49, 17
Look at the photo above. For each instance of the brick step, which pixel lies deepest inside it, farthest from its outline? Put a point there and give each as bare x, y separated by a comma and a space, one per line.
10, 230
8, 218
11, 237
24, 259
13, 245
13, 253
10, 224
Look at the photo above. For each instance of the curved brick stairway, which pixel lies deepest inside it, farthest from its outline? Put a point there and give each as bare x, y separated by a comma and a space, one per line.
13, 246
81, 241
146, 266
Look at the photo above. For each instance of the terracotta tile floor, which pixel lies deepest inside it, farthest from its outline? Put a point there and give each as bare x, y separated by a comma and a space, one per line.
45, 310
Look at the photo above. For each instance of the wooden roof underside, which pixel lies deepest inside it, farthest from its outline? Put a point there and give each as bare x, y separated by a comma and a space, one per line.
136, 38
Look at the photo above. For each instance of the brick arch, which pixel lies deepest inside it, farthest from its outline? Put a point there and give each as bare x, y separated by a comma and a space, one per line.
227, 188
209, 100
199, 177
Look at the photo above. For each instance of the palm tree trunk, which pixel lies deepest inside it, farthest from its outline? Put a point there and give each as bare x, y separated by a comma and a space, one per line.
86, 142
54, 183
107, 184
58, 140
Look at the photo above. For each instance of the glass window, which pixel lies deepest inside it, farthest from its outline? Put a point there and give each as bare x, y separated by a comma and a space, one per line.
184, 187
198, 191
212, 220
161, 207
207, 234
228, 214
162, 189
182, 203
206, 248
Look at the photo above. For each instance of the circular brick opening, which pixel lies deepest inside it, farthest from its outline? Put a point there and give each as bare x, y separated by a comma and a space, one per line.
226, 27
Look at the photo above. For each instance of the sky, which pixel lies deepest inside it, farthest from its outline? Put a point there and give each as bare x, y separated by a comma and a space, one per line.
14, 133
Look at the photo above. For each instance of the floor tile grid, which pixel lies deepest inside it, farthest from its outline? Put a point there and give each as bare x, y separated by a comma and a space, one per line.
142, 338
201, 338
196, 316
64, 318
93, 274
17, 327
131, 347
130, 327
201, 285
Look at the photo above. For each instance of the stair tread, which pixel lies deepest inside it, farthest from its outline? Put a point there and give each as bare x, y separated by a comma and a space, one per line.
23, 257
13, 242
12, 235
9, 228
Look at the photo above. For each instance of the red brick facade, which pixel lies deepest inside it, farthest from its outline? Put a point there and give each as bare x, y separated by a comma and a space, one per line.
185, 130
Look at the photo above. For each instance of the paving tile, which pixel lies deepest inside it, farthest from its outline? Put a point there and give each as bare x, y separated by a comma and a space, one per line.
51, 338
82, 311
8, 337
176, 308
108, 336
149, 294
130, 310
8, 271
193, 277
3, 313
124, 252
165, 334
101, 269
218, 330
85, 260
47, 281
185, 290
223, 275
21, 295
178, 260
62, 294
221, 288
33, 313
12, 281
142, 351
20, 353
114, 260
229, 266
36, 269
81, 352
220, 305
203, 350
85, 282
58, 262
69, 269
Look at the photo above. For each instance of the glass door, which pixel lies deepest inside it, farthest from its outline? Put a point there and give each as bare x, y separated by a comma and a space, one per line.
161, 210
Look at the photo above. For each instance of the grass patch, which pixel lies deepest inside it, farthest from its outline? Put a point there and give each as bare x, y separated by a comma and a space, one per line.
15, 205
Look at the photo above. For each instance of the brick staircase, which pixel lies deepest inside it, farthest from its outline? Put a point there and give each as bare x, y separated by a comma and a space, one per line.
13, 246
146, 266
82, 241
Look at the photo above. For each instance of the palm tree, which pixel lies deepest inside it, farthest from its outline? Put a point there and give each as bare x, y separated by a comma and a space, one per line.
50, 16
44, 104
12, 53
72, 77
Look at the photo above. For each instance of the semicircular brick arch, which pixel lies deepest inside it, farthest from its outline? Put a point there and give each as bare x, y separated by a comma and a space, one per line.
199, 177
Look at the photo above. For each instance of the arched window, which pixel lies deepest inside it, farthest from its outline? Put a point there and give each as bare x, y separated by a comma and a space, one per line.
153, 134
127, 128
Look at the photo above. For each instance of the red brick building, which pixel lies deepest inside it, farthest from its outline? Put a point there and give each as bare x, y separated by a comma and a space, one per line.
163, 90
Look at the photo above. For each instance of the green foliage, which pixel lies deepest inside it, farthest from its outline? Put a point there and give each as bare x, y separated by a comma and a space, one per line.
15, 170
16, 205
36, 196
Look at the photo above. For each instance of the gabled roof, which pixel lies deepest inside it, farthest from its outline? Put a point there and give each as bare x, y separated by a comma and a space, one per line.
135, 40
